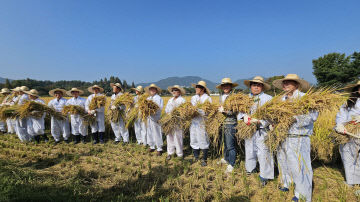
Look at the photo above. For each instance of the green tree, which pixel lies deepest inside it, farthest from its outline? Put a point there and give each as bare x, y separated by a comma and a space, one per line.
7, 84
336, 69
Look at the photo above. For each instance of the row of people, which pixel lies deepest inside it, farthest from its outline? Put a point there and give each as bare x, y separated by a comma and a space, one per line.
293, 156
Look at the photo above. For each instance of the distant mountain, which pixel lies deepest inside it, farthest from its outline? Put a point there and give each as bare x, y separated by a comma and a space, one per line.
185, 81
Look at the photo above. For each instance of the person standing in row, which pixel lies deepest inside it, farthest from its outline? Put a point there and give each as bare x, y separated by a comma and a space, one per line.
21, 125
139, 125
59, 127
78, 127
5, 92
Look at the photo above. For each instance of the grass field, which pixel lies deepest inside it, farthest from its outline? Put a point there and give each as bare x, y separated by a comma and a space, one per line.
67, 172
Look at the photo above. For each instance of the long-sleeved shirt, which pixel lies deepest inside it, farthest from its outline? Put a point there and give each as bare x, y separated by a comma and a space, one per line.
79, 101
346, 114
88, 101
196, 99
23, 98
160, 102
58, 105
304, 124
259, 100
173, 103
113, 98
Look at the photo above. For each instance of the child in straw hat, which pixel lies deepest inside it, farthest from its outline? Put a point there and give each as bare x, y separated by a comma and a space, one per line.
59, 127
21, 125
8, 98
78, 127
293, 156
36, 126
175, 140
139, 126
230, 123
120, 131
199, 140
350, 112
5, 92
255, 148
98, 126
153, 132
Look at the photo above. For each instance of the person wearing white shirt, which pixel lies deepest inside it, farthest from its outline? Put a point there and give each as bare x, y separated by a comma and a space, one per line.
98, 126
36, 125
21, 125
121, 133
59, 127
78, 127
350, 114
199, 139
153, 133
6, 95
139, 125
293, 155
255, 148
175, 139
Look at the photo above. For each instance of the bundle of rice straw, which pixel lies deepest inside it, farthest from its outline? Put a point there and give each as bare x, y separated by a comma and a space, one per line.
238, 102
214, 119
123, 100
179, 118
142, 110
97, 102
8, 112
245, 131
353, 127
35, 109
75, 109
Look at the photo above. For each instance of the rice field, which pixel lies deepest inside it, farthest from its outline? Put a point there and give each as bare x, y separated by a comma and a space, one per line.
86, 172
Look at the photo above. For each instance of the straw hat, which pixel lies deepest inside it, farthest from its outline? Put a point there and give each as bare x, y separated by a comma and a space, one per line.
225, 81
32, 92
5, 90
303, 85
153, 86
90, 89
52, 92
117, 85
23, 89
17, 89
257, 79
349, 87
139, 88
182, 90
203, 84
73, 90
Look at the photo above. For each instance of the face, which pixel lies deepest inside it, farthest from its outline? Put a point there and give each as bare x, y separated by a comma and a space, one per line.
256, 88
175, 92
226, 88
32, 97
290, 86
58, 95
21, 93
96, 90
199, 90
75, 94
138, 92
153, 91
116, 89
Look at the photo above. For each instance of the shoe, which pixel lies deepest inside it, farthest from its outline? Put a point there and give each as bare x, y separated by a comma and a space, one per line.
295, 199
101, 137
37, 139
203, 163
229, 169
250, 173
222, 161
283, 189
67, 141
83, 139
263, 181
95, 138
158, 153
168, 157
46, 139
151, 150
77, 139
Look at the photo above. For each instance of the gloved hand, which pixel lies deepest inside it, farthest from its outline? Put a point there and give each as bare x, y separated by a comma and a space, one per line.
340, 128
271, 127
201, 112
254, 121
92, 112
221, 109
246, 119
113, 107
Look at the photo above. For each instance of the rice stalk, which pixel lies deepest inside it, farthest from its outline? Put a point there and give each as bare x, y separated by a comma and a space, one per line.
238, 102
8, 112
37, 110
97, 102
78, 110
245, 131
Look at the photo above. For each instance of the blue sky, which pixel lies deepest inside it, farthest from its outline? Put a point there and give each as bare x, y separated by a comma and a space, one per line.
146, 40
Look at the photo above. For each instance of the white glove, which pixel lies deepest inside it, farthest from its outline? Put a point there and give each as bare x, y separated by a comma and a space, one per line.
340, 128
201, 112
246, 119
271, 127
92, 111
113, 107
221, 109
254, 121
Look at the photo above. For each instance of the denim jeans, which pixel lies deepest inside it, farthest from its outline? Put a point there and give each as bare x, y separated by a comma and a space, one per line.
230, 143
